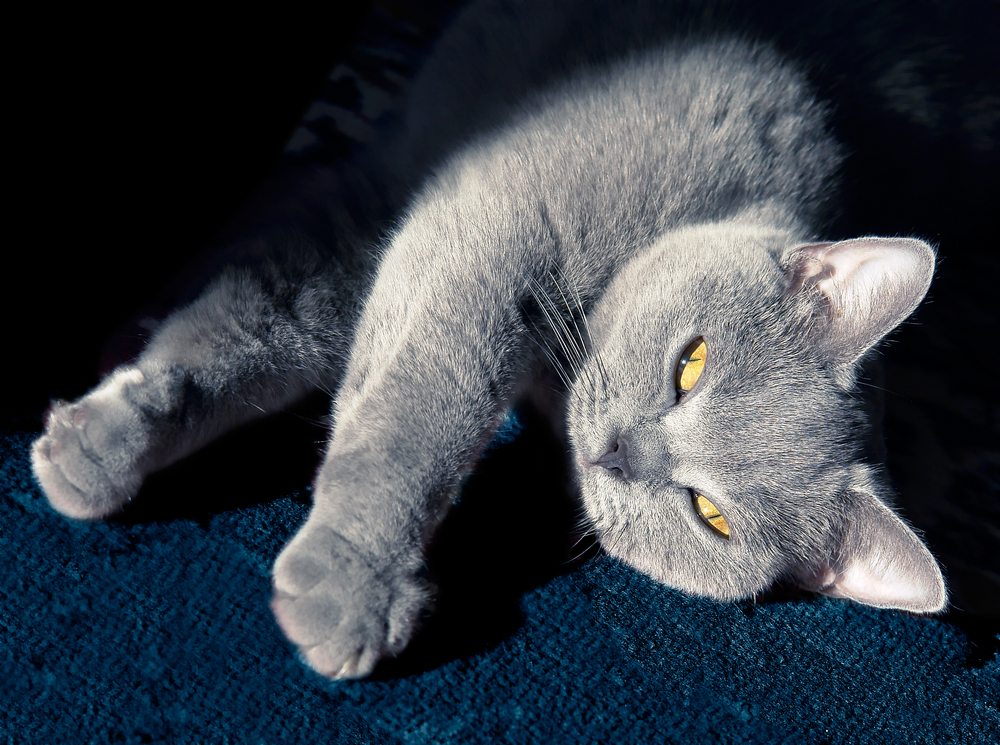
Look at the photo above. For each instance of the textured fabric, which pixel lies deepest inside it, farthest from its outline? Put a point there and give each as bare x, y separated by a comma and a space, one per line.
159, 631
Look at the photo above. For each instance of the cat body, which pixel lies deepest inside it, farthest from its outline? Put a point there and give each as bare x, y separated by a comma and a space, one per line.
574, 192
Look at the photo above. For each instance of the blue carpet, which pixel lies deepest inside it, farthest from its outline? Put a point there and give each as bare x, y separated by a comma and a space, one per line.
159, 631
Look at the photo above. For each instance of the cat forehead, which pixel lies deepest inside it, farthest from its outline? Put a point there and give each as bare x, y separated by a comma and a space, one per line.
743, 323
712, 250
719, 275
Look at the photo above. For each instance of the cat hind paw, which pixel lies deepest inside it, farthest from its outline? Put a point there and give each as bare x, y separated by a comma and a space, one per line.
82, 474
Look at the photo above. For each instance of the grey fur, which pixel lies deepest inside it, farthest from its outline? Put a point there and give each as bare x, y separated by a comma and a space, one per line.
606, 197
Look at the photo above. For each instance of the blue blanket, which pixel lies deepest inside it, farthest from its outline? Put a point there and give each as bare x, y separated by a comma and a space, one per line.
158, 630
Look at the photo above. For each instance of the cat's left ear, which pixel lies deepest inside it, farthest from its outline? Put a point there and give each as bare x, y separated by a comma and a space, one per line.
861, 289
877, 560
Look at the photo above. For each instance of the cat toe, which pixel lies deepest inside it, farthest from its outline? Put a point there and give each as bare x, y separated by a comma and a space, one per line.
65, 496
341, 614
307, 620
342, 658
78, 480
350, 667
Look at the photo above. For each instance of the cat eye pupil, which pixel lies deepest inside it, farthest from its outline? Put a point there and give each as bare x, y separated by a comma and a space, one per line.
710, 515
690, 365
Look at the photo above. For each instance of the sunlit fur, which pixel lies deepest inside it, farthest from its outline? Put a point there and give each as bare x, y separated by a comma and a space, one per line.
578, 185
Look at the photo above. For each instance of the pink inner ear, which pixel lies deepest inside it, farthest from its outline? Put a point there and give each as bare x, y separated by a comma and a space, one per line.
862, 265
858, 271
881, 562
869, 284
879, 586
806, 264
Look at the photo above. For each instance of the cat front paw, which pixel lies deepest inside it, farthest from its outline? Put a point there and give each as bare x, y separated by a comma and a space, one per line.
84, 460
341, 611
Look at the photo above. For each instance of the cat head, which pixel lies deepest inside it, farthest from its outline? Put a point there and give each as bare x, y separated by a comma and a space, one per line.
715, 424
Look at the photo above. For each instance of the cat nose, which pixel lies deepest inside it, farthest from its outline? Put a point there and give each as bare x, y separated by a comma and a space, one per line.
615, 458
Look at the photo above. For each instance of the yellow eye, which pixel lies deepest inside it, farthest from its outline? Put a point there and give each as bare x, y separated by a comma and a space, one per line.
690, 365
710, 514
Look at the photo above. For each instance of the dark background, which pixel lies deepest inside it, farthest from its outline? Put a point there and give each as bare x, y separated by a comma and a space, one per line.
138, 139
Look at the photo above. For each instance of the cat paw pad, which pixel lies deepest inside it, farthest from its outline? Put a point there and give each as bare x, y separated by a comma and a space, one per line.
82, 461
342, 613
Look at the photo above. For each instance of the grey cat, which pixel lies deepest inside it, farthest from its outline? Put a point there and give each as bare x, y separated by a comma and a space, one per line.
576, 194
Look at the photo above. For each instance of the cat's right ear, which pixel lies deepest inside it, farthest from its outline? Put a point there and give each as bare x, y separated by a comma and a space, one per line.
859, 289
876, 559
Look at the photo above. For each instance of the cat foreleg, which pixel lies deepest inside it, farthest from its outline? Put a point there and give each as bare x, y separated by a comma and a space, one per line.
437, 354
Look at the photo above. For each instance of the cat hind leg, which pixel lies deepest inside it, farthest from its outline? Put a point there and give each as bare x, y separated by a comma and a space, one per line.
251, 344
87, 460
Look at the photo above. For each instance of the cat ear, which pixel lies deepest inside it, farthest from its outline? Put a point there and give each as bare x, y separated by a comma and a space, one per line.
863, 288
880, 562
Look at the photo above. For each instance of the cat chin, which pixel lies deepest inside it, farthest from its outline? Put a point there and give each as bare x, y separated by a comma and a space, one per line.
722, 587
703, 574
